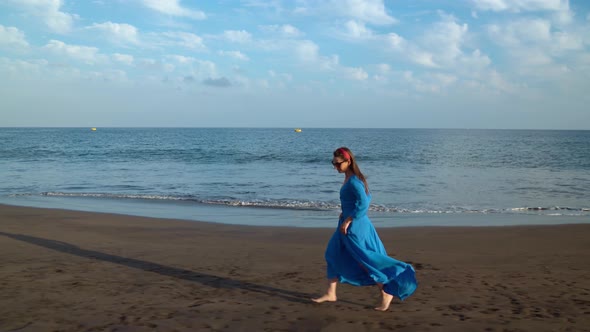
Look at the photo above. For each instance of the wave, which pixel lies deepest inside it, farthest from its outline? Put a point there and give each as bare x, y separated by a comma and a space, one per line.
293, 204
553, 208
278, 204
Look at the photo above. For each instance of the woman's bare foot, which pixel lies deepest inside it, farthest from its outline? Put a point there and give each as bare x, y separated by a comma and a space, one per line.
325, 298
386, 300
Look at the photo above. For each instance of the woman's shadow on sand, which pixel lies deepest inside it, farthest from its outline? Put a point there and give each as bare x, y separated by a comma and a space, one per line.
202, 278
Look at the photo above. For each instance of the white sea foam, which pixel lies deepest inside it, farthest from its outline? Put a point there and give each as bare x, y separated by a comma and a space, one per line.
327, 206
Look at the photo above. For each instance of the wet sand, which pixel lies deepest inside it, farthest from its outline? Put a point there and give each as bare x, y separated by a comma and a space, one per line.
78, 271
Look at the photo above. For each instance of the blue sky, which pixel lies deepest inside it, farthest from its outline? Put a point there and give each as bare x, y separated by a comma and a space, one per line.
333, 63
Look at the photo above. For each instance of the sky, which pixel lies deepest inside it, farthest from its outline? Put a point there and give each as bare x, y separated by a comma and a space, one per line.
503, 64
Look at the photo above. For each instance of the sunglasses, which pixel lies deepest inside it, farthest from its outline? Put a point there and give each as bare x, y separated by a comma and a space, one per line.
338, 164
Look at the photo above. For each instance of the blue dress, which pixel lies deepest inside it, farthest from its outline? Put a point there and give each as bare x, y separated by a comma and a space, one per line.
359, 258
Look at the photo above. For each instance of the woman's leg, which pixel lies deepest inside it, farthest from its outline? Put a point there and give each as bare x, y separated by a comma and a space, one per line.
330, 295
385, 299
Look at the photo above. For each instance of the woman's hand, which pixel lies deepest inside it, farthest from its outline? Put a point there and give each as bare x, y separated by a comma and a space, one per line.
344, 226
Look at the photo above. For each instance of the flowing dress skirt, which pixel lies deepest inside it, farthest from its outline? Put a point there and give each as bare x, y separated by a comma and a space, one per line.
359, 258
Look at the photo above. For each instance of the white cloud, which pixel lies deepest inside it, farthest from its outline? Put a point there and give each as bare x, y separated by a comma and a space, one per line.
11, 38
497, 81
206, 69
282, 76
118, 32
411, 51
445, 40
444, 79
123, 58
444, 46
487, 81
181, 59
474, 61
16, 68
358, 74
419, 85
583, 61
41, 70
565, 41
234, 54
368, 11
111, 75
395, 41
278, 80
289, 30
49, 11
553, 72
422, 58
173, 8
237, 36
274, 5
383, 71
383, 68
521, 5
308, 52
560, 9
179, 38
440, 45
194, 67
53, 72
155, 65
357, 30
89, 55
430, 83
534, 42
563, 17
285, 30
520, 32
301, 10
531, 56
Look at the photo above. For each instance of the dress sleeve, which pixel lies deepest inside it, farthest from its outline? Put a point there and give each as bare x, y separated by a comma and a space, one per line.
362, 201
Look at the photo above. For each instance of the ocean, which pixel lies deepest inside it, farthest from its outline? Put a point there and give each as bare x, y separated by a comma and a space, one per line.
276, 176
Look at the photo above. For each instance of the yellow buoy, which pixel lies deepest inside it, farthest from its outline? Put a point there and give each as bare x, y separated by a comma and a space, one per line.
93, 129
297, 130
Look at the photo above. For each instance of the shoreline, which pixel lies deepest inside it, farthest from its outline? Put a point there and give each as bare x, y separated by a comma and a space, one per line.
333, 221
303, 218
71, 271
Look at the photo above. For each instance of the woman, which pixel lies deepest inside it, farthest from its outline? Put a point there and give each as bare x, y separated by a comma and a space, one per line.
355, 254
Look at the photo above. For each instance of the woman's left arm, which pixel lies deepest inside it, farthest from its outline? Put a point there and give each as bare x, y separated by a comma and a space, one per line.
362, 200
361, 205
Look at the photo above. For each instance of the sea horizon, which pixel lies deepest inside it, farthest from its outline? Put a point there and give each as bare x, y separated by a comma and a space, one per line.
287, 127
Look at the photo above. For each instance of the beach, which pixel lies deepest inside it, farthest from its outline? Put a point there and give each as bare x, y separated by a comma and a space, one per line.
66, 270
